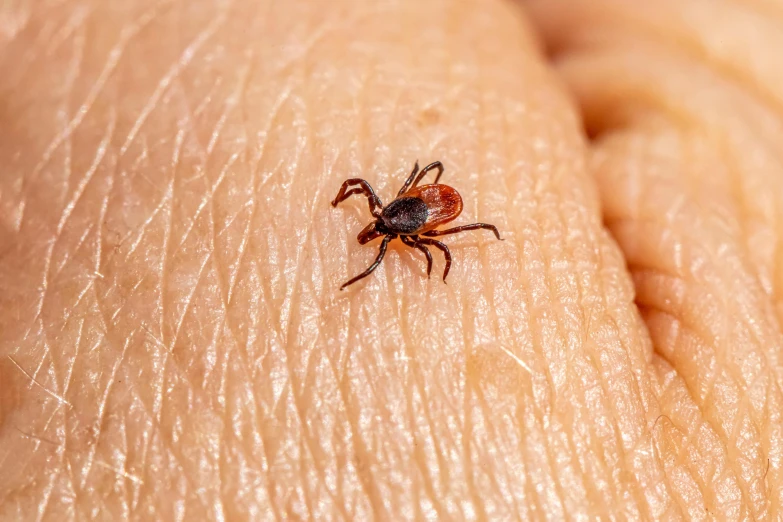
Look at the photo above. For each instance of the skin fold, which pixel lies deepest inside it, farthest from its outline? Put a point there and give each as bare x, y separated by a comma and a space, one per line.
173, 344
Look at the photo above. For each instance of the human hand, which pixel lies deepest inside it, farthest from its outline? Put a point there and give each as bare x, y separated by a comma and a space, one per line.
174, 344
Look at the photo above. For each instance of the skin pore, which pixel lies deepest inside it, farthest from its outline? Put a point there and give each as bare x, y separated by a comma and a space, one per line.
173, 344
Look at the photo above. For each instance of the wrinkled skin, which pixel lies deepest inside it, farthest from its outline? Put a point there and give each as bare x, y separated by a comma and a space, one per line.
173, 344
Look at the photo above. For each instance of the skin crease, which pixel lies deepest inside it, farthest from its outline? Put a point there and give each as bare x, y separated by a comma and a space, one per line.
173, 344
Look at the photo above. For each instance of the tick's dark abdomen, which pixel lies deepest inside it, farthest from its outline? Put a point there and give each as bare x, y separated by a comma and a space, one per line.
405, 215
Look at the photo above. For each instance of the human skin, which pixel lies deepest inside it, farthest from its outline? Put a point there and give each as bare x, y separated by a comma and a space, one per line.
173, 341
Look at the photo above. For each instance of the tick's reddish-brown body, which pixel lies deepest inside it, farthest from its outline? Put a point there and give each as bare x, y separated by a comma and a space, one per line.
443, 203
417, 211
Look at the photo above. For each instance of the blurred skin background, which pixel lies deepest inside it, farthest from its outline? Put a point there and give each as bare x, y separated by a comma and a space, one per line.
173, 344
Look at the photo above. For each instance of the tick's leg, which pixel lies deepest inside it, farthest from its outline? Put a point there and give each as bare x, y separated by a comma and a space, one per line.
410, 183
463, 228
364, 188
444, 248
411, 242
374, 265
434, 165
409, 180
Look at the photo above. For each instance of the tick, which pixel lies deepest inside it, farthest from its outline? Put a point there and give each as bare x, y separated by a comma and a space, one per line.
415, 212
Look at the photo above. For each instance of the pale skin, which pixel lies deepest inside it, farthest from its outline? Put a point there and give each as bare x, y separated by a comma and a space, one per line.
173, 343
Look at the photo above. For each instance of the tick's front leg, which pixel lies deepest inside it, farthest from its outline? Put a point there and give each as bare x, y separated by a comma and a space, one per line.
364, 188
372, 266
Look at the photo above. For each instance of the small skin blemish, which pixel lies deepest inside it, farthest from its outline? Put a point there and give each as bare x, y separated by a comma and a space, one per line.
429, 117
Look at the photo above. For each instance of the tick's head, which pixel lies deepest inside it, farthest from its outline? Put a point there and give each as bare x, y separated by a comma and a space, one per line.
370, 232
